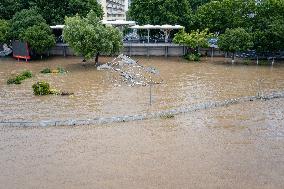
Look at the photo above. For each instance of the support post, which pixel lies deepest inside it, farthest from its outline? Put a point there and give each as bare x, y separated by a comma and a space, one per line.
148, 35
150, 94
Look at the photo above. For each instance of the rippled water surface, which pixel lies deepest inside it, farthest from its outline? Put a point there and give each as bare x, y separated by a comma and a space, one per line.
239, 146
96, 95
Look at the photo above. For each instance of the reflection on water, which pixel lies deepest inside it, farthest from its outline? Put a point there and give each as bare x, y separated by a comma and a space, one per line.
96, 96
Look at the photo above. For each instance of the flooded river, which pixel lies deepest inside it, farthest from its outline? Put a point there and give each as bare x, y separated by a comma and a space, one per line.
239, 146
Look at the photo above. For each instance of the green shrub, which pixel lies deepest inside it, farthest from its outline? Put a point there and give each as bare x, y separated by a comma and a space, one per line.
15, 80
57, 70
264, 63
41, 88
19, 78
45, 70
192, 56
54, 92
27, 74
61, 70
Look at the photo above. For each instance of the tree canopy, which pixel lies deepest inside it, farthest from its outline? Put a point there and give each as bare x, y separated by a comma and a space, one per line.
30, 26
89, 37
235, 40
217, 16
194, 39
52, 11
23, 20
158, 12
39, 38
4, 29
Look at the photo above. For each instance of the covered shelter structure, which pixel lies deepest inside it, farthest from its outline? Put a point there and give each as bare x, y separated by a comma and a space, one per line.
120, 24
166, 29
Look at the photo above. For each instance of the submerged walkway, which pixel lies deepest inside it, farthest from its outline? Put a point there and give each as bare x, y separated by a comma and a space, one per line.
162, 114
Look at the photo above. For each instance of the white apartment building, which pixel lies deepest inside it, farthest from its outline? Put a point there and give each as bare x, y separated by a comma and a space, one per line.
114, 9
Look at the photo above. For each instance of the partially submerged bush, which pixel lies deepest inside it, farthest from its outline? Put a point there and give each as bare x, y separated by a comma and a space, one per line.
192, 56
19, 78
61, 70
41, 88
27, 74
57, 70
54, 92
45, 70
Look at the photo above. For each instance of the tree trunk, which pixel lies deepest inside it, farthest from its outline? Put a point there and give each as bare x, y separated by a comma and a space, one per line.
97, 58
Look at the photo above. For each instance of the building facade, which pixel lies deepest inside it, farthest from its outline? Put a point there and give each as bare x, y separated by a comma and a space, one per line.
114, 9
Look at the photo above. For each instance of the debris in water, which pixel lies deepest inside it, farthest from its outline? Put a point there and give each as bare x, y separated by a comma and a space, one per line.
127, 70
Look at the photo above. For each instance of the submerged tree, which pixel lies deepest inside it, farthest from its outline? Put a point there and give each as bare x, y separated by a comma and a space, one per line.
235, 40
89, 37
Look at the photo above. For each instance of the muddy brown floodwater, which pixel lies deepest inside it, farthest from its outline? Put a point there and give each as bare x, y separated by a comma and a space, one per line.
239, 146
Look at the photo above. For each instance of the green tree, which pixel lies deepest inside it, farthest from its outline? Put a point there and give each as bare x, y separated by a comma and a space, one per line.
268, 26
194, 39
39, 38
54, 12
235, 40
88, 37
194, 4
30, 26
158, 12
4, 29
223, 14
84, 7
8, 8
23, 20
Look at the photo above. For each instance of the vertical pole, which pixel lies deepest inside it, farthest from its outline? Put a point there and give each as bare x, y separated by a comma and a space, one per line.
150, 94
148, 35
166, 51
212, 53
